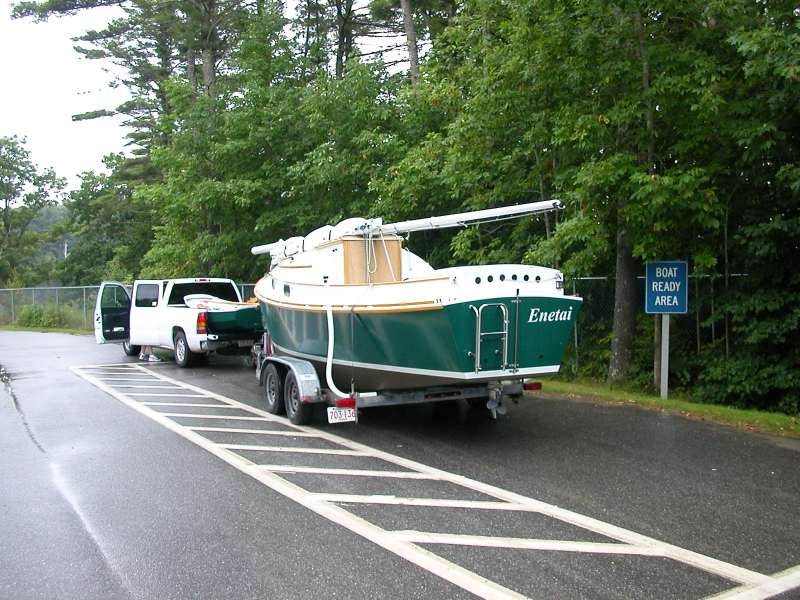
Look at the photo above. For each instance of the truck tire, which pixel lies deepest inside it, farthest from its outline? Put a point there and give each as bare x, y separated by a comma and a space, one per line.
129, 349
183, 356
299, 412
273, 390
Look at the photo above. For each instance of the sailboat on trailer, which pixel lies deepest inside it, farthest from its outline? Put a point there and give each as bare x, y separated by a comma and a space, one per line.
353, 297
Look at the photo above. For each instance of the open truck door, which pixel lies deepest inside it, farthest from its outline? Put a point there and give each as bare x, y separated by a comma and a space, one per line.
112, 314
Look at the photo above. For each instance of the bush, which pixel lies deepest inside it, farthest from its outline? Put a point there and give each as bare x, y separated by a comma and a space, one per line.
43, 315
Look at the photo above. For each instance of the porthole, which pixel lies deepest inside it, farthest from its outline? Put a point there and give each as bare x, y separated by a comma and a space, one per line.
477, 280
502, 277
538, 279
490, 279
514, 277
526, 278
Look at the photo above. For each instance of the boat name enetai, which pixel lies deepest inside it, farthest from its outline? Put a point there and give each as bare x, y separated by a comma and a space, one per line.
538, 316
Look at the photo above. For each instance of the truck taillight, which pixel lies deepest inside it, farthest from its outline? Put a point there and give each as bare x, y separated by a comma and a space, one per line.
202, 322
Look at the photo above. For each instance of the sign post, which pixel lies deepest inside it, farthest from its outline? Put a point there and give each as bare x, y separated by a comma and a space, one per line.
666, 293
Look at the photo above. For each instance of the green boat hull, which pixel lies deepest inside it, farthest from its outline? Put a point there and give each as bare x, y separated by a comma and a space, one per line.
424, 348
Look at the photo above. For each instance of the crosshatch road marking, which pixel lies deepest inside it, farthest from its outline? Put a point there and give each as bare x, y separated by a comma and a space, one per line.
753, 585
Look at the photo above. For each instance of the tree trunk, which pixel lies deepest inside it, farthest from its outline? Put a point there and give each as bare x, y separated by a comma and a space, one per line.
344, 34
191, 70
649, 158
209, 71
624, 307
411, 41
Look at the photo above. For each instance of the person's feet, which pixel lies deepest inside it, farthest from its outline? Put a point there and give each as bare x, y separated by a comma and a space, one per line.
153, 358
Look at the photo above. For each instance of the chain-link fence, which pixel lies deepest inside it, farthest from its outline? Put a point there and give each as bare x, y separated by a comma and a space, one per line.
587, 354
68, 307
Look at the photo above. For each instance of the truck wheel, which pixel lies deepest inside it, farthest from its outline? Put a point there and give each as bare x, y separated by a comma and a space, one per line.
273, 390
299, 412
183, 356
130, 350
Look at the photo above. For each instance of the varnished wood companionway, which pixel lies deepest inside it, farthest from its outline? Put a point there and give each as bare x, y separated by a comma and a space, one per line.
375, 260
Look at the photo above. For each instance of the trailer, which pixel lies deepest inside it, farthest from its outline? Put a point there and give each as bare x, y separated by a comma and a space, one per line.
293, 385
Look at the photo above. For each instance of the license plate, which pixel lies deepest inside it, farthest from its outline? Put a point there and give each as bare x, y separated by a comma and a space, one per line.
341, 415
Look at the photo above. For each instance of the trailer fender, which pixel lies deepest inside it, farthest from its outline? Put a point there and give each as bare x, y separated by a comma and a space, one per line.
304, 373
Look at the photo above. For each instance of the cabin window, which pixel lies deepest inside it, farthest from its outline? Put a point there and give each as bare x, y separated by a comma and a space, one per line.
285, 290
147, 295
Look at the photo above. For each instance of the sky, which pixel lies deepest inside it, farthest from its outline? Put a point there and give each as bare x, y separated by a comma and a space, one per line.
43, 82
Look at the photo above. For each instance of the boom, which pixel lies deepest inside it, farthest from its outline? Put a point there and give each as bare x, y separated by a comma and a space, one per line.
464, 219
376, 226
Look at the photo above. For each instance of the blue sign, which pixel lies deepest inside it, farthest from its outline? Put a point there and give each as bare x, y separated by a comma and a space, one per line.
666, 288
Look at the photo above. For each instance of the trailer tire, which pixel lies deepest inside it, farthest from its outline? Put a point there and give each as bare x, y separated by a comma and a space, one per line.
183, 356
273, 389
299, 412
129, 349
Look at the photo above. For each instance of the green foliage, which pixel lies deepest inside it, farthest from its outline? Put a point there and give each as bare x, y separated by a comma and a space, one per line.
24, 192
112, 226
46, 316
669, 132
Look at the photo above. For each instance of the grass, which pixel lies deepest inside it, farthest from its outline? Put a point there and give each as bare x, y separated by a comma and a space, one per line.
754, 420
71, 330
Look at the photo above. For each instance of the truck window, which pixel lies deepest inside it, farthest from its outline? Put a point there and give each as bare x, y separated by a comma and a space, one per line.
147, 294
219, 289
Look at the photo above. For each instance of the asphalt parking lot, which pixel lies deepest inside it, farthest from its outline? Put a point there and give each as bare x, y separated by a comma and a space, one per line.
148, 481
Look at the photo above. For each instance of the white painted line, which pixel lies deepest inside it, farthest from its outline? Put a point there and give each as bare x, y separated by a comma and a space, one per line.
156, 387
257, 431
145, 378
356, 472
187, 404
435, 502
695, 559
112, 373
421, 537
455, 574
225, 417
159, 394
289, 449
779, 583
683, 555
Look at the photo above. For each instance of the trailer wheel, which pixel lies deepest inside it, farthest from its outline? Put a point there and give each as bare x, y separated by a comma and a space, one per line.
183, 356
299, 412
129, 349
273, 390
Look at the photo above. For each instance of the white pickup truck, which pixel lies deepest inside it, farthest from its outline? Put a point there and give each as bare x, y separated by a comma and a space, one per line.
159, 316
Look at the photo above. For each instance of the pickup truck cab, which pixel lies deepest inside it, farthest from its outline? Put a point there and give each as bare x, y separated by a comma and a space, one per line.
157, 314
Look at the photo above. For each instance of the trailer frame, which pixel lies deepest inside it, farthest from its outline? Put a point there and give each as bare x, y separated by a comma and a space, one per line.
491, 395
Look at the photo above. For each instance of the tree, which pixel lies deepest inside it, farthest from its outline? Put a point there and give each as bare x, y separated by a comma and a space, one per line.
24, 192
110, 225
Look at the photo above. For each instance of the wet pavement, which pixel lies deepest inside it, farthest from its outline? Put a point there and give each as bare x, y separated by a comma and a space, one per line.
102, 500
